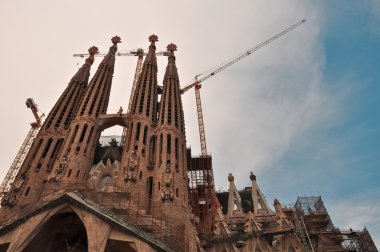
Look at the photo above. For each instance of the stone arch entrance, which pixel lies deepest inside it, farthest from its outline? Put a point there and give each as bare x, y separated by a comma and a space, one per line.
63, 232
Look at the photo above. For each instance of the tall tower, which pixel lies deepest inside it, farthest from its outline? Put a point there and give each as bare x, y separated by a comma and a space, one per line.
171, 168
172, 139
140, 143
76, 157
40, 160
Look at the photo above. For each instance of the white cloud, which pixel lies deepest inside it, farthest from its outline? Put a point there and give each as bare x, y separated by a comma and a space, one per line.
375, 17
356, 213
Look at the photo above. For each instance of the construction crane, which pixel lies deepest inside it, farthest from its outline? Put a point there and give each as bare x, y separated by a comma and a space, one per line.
140, 54
135, 52
17, 162
196, 84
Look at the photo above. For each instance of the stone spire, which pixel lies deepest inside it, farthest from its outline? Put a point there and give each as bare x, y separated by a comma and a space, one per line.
145, 98
171, 162
63, 111
144, 112
79, 146
172, 140
171, 111
83, 73
96, 98
140, 142
47, 145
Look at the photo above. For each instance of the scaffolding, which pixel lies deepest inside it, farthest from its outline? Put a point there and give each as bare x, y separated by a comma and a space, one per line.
123, 203
314, 225
202, 193
358, 241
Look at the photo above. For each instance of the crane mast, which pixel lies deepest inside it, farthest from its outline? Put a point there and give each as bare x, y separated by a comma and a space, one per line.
196, 84
19, 159
202, 134
135, 79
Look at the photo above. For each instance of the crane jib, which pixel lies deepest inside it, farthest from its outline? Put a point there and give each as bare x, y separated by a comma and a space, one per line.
243, 55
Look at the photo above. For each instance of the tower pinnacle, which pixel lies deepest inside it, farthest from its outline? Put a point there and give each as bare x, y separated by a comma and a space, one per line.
171, 48
171, 69
92, 51
153, 38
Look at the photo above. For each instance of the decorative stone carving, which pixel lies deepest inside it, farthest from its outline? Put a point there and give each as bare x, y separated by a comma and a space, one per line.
167, 192
8, 200
60, 168
131, 173
103, 177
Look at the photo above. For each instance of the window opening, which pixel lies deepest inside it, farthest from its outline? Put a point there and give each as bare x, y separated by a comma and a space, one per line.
168, 143
137, 136
150, 187
145, 134
47, 147
75, 133
27, 191
37, 148
83, 133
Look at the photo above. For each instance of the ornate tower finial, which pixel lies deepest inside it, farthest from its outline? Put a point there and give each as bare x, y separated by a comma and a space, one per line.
153, 38
92, 51
116, 40
171, 47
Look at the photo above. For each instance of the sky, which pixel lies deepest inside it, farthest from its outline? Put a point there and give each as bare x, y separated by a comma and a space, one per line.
302, 113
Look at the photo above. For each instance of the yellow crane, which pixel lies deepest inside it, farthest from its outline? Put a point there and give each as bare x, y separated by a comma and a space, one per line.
196, 84
19, 159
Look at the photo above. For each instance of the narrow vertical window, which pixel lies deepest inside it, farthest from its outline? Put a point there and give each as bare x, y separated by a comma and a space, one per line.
56, 148
38, 146
152, 149
168, 143
74, 134
27, 191
90, 135
161, 144
145, 134
137, 136
47, 147
83, 133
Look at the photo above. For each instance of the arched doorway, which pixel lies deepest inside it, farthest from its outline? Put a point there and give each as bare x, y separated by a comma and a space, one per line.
63, 232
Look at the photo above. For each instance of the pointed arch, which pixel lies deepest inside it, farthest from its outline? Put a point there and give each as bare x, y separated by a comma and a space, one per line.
71, 235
